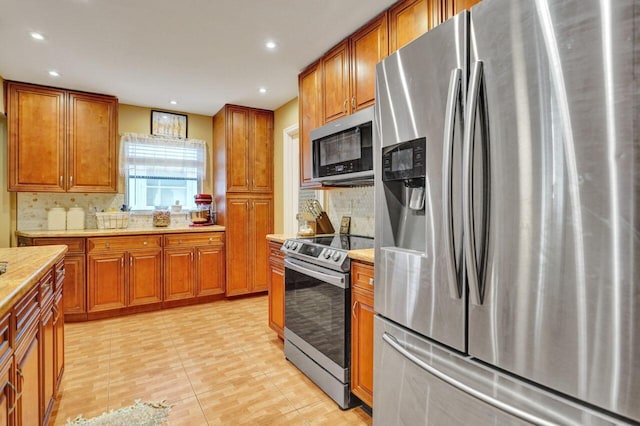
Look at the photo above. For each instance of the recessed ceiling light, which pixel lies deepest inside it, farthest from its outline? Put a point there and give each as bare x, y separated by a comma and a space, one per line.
173, 102
37, 36
271, 44
53, 73
262, 90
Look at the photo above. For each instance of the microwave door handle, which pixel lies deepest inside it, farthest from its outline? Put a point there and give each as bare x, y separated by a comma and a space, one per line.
467, 184
453, 100
337, 281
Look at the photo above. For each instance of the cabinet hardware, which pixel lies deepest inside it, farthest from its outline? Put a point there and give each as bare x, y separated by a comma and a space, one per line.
130, 261
191, 256
353, 310
210, 238
70, 180
353, 103
199, 256
144, 243
60, 180
122, 262
370, 281
107, 245
345, 106
19, 372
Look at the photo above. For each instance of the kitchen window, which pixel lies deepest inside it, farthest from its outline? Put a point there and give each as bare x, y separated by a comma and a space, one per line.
159, 171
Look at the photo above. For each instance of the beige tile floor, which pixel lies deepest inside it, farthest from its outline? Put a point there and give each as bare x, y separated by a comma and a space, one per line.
217, 364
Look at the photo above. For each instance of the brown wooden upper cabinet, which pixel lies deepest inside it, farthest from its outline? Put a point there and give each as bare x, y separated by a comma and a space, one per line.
310, 117
244, 149
348, 70
60, 140
407, 21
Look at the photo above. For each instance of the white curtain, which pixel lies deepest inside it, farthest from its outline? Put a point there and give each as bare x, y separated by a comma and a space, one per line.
162, 157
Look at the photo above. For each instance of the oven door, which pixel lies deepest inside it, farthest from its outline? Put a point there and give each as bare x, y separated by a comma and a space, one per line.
317, 301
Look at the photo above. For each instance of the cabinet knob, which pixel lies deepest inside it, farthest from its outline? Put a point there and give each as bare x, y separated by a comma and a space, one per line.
370, 281
107, 245
144, 243
210, 238
180, 241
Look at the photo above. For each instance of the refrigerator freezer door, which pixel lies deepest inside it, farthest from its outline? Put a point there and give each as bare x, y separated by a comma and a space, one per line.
559, 287
420, 383
412, 89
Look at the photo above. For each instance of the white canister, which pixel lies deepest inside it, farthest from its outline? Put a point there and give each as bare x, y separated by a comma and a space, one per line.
56, 219
75, 218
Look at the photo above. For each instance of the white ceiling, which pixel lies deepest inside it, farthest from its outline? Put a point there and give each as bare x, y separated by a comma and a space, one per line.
201, 53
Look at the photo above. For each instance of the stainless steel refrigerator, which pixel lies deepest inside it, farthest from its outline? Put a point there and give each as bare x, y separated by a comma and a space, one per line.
508, 273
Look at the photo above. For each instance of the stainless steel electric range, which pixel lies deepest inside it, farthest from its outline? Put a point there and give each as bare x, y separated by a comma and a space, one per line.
317, 306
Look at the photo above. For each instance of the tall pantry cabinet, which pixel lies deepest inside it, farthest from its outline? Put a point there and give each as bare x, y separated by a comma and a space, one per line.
243, 191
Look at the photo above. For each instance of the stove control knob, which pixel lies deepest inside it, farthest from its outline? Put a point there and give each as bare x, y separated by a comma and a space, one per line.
328, 253
337, 256
287, 244
294, 246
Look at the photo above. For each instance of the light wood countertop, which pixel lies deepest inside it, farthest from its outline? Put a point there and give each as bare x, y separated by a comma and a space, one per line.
279, 238
116, 232
363, 255
26, 266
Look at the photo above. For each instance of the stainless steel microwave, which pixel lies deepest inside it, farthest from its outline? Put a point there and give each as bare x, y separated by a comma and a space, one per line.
342, 150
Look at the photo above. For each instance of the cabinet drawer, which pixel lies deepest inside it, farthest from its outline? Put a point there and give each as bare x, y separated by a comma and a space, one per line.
362, 276
274, 250
5, 338
26, 313
191, 240
106, 244
75, 245
46, 288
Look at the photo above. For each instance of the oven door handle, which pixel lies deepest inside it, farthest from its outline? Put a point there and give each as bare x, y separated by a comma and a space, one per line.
336, 280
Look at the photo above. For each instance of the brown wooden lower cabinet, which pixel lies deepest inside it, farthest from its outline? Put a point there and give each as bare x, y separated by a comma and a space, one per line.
108, 276
276, 288
362, 315
194, 265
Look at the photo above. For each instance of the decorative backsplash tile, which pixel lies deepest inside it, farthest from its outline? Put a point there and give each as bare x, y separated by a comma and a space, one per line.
33, 209
355, 202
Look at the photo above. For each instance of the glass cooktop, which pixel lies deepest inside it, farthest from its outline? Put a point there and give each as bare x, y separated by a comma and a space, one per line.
338, 241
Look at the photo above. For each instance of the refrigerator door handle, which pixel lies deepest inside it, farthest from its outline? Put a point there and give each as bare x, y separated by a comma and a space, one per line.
453, 99
514, 411
467, 184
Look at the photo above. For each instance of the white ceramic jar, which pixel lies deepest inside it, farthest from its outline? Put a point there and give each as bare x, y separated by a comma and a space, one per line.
56, 219
75, 218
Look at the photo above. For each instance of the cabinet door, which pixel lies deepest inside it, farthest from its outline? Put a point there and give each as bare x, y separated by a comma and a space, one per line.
238, 260
106, 281
48, 358
276, 295
210, 270
335, 82
310, 117
7, 393
460, 5
368, 47
261, 151
36, 133
362, 345
74, 284
179, 282
408, 20
58, 328
237, 128
92, 127
145, 277
27, 383
261, 224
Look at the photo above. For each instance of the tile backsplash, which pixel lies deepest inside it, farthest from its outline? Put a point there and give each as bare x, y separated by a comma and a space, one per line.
355, 202
33, 209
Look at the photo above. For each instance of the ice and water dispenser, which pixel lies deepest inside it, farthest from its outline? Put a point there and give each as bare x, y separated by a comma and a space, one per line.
403, 179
